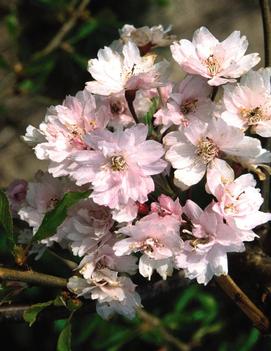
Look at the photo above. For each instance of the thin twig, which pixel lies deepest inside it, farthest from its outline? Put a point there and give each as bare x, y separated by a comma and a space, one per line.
64, 30
32, 277
155, 322
266, 18
257, 317
130, 97
70, 264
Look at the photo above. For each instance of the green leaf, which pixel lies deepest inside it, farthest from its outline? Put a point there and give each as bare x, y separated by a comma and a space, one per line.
31, 314
5, 217
55, 217
64, 340
149, 115
85, 29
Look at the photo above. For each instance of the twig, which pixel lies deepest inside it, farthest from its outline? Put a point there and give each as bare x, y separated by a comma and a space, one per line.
257, 317
130, 96
32, 277
155, 322
266, 18
70, 264
64, 30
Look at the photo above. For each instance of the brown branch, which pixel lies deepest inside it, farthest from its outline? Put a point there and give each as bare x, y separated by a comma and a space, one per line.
257, 317
32, 277
64, 30
155, 322
266, 19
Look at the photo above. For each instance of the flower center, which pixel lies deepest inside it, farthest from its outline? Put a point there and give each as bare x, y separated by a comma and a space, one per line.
253, 116
118, 163
212, 65
52, 203
117, 107
189, 106
207, 150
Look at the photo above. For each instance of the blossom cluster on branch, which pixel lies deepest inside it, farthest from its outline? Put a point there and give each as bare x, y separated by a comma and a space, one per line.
137, 141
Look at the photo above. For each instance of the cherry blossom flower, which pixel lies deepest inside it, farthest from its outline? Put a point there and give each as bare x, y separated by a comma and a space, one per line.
248, 104
197, 148
119, 166
238, 201
104, 257
189, 100
87, 226
145, 37
113, 293
167, 207
120, 115
64, 129
115, 72
42, 196
205, 251
220, 62
157, 238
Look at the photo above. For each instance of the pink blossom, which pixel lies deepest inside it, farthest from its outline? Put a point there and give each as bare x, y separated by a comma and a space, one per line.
104, 257
238, 201
119, 166
64, 129
201, 145
210, 239
87, 226
248, 104
157, 238
167, 207
220, 62
145, 37
114, 72
42, 196
188, 100
113, 293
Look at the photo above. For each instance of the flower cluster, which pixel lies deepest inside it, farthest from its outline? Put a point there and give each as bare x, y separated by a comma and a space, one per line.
136, 141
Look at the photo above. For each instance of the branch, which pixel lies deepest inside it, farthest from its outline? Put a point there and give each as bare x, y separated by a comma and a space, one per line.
266, 18
32, 277
155, 322
64, 30
259, 320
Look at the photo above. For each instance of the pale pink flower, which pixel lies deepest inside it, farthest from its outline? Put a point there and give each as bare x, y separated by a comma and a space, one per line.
219, 62
199, 146
157, 238
256, 164
87, 226
189, 99
120, 166
248, 104
238, 201
64, 129
167, 207
115, 72
205, 251
16, 193
118, 110
42, 196
104, 257
113, 293
147, 38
